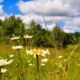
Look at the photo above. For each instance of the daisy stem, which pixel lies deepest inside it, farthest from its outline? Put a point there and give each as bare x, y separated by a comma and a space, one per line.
37, 62
21, 72
19, 56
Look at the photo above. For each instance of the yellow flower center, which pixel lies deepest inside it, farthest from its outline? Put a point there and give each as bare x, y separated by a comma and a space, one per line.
35, 51
40, 51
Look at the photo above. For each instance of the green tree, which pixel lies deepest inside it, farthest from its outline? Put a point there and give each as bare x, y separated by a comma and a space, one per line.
39, 34
13, 26
1, 31
58, 37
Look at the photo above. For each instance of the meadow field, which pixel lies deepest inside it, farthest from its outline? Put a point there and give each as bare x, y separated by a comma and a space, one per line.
60, 64
39, 39
35, 53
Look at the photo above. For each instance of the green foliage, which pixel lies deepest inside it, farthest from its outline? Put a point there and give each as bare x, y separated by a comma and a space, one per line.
56, 38
19, 27
40, 36
1, 33
13, 25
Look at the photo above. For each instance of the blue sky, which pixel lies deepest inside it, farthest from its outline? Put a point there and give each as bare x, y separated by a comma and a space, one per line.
10, 7
65, 13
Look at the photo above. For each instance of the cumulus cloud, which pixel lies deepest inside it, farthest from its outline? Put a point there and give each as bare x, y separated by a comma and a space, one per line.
49, 7
40, 19
54, 11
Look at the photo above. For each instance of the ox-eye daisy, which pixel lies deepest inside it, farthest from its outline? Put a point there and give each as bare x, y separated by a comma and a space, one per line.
27, 36
15, 38
17, 47
35, 52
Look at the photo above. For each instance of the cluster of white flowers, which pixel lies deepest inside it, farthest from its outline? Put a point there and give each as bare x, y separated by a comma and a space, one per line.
34, 52
18, 37
43, 61
39, 52
5, 62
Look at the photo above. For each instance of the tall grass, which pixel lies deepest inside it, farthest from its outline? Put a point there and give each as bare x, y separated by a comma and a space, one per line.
54, 69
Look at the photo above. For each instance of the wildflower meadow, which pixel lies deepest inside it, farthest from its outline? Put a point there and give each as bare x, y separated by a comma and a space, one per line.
29, 63
36, 53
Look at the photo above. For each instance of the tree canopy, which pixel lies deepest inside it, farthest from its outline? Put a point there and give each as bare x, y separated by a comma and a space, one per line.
56, 38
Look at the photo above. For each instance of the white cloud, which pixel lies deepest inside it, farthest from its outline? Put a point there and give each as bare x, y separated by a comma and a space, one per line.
1, 1
48, 26
2, 13
72, 25
1, 10
54, 11
49, 7
39, 18
2, 17
27, 18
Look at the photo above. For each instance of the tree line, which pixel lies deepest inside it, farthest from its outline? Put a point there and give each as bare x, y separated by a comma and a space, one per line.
56, 38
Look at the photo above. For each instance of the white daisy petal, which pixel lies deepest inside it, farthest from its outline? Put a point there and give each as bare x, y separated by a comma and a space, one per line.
15, 38
42, 64
11, 56
30, 64
27, 36
44, 60
59, 57
3, 70
17, 47
5, 62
